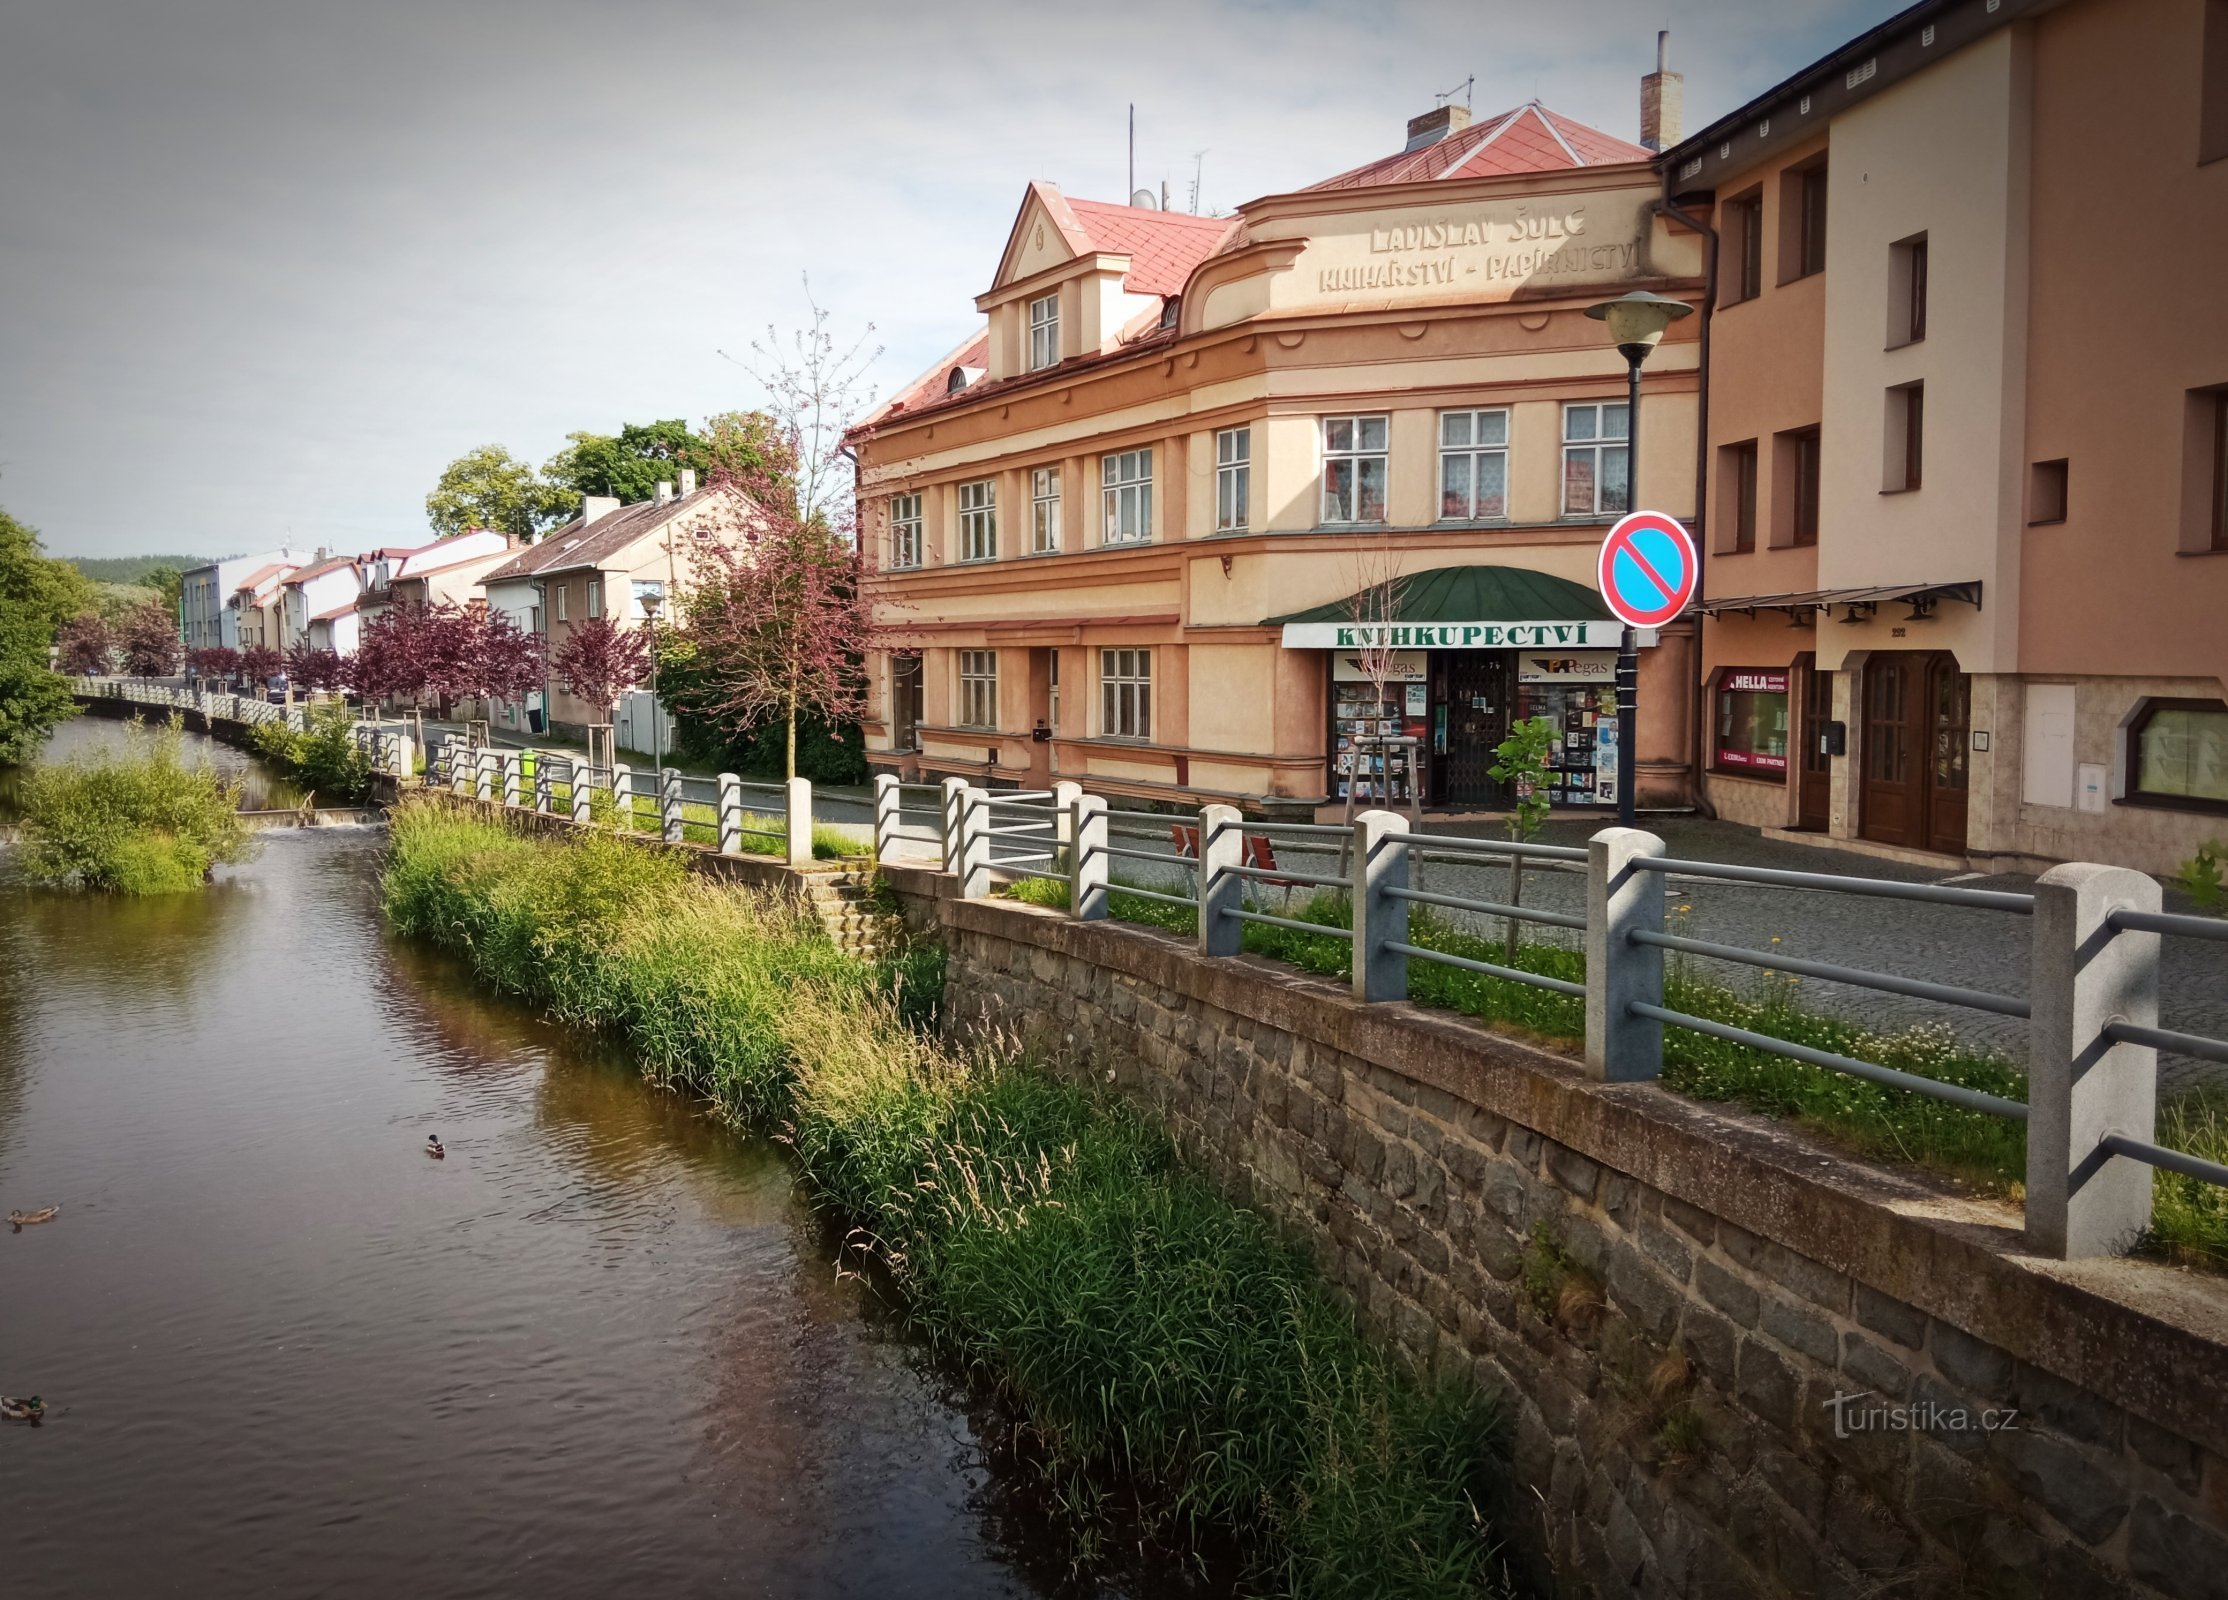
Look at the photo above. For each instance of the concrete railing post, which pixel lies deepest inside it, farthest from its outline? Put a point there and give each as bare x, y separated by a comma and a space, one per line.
583, 796
730, 814
514, 778
545, 784
1380, 864
1222, 845
1065, 793
622, 797
1620, 898
887, 800
675, 824
2081, 1086
483, 774
1087, 860
797, 820
955, 795
974, 842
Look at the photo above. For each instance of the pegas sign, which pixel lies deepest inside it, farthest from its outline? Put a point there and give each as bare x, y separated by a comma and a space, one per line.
1450, 635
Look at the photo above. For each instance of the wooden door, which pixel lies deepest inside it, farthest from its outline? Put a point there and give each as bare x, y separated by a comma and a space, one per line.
1814, 774
1917, 734
1949, 709
905, 702
1478, 686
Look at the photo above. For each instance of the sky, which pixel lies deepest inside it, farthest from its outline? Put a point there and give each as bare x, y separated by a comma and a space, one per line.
266, 266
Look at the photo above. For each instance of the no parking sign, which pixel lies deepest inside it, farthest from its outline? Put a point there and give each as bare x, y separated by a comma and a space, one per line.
1647, 569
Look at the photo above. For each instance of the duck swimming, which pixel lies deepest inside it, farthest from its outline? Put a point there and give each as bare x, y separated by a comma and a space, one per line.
19, 1220
14, 1410
433, 1147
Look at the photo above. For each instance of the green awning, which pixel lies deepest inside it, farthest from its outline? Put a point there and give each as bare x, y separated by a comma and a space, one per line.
1467, 594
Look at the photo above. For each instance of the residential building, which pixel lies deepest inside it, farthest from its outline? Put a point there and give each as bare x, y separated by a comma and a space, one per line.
1127, 532
206, 617
317, 604
446, 572
619, 561
1967, 526
257, 605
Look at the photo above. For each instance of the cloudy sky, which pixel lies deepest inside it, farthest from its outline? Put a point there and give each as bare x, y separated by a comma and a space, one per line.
267, 265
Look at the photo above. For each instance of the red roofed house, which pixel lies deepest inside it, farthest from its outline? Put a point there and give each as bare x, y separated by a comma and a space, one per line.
1121, 527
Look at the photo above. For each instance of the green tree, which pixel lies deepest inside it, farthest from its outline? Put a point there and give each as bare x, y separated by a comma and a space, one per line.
1520, 761
37, 595
168, 583
734, 446
491, 488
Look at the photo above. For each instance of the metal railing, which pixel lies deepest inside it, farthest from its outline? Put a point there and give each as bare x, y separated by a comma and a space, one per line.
2091, 1005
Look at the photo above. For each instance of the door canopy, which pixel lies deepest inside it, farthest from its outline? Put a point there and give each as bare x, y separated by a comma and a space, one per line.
1457, 608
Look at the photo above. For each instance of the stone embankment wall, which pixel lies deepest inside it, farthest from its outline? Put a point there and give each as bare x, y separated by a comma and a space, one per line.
1671, 1298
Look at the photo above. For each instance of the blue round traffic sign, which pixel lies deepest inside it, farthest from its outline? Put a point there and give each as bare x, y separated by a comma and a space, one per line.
1648, 569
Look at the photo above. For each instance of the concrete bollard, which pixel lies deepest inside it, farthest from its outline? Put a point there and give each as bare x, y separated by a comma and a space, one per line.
1380, 865
1621, 1047
797, 820
886, 814
622, 797
974, 842
1222, 845
730, 814
514, 777
954, 809
2080, 1085
583, 795
1065, 793
1087, 860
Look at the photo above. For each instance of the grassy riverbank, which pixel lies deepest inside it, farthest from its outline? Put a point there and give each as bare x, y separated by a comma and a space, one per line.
139, 819
1157, 1338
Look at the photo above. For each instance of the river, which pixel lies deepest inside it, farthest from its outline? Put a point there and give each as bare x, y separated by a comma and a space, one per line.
598, 1350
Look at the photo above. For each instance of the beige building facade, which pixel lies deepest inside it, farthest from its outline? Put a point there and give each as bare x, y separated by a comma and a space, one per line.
1967, 577
1133, 532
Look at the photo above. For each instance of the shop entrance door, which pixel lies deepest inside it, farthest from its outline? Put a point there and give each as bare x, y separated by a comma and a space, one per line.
1814, 802
905, 702
1917, 717
1475, 699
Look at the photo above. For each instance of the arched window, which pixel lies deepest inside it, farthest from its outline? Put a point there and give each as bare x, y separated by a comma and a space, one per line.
2177, 755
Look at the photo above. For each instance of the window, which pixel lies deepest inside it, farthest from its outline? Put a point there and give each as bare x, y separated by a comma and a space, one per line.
1233, 479
595, 597
1744, 234
1127, 480
1594, 460
1126, 694
647, 589
2212, 85
1044, 510
1738, 476
1044, 332
1354, 468
1803, 460
978, 688
1052, 688
1473, 465
2219, 505
978, 521
561, 617
1802, 227
905, 530
2046, 492
2178, 754
1905, 438
1907, 292
1751, 723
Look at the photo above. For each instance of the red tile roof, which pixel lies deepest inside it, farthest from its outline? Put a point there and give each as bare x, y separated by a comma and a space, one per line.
1530, 138
1163, 246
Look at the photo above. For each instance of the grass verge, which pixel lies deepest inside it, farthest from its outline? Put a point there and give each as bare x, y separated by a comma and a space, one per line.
1152, 1333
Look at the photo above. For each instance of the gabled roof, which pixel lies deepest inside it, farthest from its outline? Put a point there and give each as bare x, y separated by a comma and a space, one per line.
1530, 138
335, 614
318, 569
1163, 246
260, 576
577, 545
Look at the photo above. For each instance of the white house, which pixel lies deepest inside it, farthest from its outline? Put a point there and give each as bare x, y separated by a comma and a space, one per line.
206, 617
318, 605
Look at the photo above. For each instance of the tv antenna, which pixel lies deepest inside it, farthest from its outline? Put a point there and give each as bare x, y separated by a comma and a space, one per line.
1464, 89
1198, 170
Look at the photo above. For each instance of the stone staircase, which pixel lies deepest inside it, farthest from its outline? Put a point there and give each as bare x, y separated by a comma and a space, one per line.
845, 904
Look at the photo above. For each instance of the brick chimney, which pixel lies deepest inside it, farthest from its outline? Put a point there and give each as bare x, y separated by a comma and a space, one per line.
1438, 123
1662, 101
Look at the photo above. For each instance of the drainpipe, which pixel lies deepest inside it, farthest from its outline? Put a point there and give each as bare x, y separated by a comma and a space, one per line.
1698, 718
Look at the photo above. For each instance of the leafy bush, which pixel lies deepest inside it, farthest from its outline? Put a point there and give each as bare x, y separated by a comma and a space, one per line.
1047, 1237
132, 821
322, 757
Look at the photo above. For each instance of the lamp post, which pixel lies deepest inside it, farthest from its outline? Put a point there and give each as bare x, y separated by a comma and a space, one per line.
650, 604
1636, 322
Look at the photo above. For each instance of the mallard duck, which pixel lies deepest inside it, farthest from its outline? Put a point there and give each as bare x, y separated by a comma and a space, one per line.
19, 1220
433, 1147
14, 1410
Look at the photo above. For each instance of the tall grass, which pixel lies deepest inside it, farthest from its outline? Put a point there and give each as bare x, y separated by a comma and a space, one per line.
132, 820
1153, 1334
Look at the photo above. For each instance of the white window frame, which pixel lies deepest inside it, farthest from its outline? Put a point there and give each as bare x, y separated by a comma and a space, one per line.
637, 589
1463, 449
1233, 480
978, 689
1346, 444
1126, 483
1044, 510
905, 531
1044, 332
978, 520
595, 597
561, 589
1586, 439
1125, 694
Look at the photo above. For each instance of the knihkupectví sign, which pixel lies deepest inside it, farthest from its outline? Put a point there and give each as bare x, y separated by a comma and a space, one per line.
1448, 635
1648, 569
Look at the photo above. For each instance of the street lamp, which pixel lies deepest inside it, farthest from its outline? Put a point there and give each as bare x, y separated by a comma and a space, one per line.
650, 603
1636, 322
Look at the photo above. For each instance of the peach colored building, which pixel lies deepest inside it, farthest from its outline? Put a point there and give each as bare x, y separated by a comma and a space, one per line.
1126, 529
1967, 576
